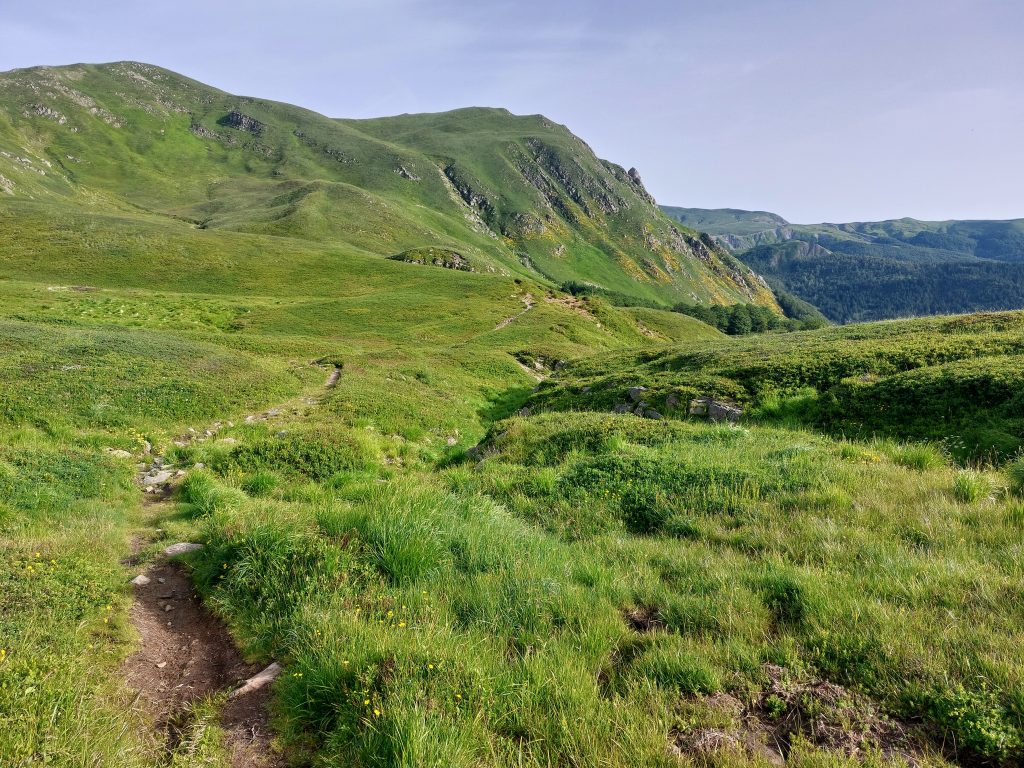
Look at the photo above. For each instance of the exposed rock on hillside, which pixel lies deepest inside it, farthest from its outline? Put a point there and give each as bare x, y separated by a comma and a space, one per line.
438, 257
237, 120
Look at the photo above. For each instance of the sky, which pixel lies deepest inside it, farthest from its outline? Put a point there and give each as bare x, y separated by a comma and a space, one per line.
819, 110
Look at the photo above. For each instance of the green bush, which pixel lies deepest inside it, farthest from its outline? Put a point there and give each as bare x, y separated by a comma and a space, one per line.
978, 722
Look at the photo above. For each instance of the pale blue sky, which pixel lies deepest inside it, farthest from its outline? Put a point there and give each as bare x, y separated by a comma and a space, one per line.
820, 110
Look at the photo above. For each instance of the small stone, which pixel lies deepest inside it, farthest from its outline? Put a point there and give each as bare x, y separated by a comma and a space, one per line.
150, 489
119, 454
147, 447
168, 608
180, 473
161, 581
199, 465
161, 665
141, 580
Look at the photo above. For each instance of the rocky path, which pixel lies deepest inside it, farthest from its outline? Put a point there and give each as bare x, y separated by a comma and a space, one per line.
186, 656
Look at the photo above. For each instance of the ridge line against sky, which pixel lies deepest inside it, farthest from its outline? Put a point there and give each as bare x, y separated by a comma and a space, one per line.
818, 111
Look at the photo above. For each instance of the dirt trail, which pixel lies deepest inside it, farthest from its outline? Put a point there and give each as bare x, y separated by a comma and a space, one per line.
186, 655
528, 302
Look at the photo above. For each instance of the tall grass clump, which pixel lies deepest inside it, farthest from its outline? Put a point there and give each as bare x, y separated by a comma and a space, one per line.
204, 495
970, 486
919, 456
1015, 474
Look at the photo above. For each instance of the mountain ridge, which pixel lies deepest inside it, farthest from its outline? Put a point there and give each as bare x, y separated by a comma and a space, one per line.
519, 195
878, 270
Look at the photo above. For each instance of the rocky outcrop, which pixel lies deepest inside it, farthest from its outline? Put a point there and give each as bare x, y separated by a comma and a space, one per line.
470, 190
240, 122
638, 185
588, 191
437, 257
405, 173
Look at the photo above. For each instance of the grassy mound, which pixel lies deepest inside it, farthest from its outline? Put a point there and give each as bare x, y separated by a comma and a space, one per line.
956, 380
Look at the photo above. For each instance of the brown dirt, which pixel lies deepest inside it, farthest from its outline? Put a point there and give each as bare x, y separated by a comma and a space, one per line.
644, 619
186, 655
574, 304
815, 712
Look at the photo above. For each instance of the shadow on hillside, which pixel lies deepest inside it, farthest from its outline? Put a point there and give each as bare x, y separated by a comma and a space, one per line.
502, 404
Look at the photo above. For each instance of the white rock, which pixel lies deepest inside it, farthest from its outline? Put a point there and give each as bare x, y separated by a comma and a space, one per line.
141, 580
159, 478
119, 454
181, 548
258, 681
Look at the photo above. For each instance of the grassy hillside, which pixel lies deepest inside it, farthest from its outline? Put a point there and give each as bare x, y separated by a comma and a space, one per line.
514, 195
956, 380
874, 270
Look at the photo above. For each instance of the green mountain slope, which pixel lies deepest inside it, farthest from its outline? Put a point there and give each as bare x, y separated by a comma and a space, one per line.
875, 270
515, 195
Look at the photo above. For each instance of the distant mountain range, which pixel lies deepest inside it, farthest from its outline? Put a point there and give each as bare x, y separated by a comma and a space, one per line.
876, 270
477, 189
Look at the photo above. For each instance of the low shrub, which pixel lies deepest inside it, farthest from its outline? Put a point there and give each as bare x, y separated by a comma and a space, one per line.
317, 454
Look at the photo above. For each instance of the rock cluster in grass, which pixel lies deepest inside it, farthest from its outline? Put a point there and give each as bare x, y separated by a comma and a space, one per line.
715, 410
237, 120
637, 405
